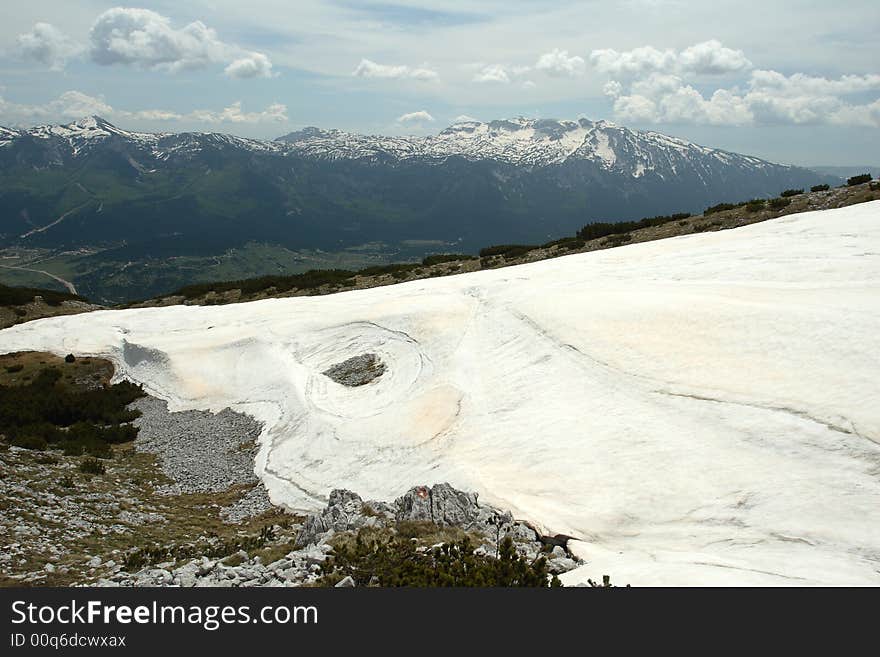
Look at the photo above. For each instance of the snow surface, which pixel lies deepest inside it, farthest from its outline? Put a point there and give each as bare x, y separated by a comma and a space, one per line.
697, 410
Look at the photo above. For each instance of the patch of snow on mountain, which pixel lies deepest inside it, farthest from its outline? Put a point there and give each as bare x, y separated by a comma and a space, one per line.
697, 410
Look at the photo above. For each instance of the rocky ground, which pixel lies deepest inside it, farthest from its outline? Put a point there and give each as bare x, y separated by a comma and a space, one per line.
181, 505
203, 452
429, 515
11, 315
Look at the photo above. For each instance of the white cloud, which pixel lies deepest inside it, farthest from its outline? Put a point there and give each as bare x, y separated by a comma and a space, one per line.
421, 116
47, 45
144, 38
559, 63
639, 61
706, 58
69, 105
612, 89
712, 58
252, 65
771, 98
492, 73
529, 84
371, 69
274, 113
464, 118
800, 84
74, 105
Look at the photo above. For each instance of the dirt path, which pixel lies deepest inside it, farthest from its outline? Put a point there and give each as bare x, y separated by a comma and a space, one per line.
70, 286
56, 222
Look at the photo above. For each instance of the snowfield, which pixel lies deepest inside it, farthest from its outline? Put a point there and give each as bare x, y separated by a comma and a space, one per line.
697, 410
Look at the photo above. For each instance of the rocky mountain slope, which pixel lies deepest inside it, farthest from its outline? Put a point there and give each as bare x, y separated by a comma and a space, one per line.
90, 182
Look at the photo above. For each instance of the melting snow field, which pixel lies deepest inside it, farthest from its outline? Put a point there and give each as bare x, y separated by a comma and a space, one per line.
697, 410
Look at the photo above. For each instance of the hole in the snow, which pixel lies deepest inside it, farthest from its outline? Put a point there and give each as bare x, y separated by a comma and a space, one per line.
356, 371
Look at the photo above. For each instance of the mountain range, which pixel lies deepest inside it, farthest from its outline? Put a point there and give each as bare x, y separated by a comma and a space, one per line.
135, 196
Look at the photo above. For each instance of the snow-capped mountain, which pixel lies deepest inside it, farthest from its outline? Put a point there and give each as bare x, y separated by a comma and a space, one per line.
520, 142
473, 184
525, 142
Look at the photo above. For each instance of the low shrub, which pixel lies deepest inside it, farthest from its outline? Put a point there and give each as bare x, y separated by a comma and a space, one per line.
779, 203
721, 207
440, 258
29, 442
618, 240
819, 188
756, 205
12, 369
506, 250
92, 466
859, 180
604, 228
791, 192
398, 562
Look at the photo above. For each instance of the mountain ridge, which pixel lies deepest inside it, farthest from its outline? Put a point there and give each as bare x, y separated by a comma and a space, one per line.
136, 199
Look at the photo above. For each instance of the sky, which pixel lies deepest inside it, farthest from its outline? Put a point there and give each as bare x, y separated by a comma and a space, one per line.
794, 82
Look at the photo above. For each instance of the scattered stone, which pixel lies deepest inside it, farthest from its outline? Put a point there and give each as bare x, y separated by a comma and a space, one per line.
346, 583
203, 452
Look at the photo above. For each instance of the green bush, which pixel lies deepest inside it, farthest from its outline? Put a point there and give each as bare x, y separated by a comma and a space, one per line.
12, 369
26, 441
440, 258
506, 250
45, 413
398, 562
791, 192
721, 207
618, 240
819, 188
859, 180
92, 466
756, 205
604, 229
779, 203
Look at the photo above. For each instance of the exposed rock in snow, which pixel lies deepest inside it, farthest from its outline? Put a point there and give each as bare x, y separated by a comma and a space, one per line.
698, 410
357, 371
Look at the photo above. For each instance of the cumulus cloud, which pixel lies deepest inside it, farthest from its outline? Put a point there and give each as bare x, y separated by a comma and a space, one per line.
465, 118
274, 113
74, 105
252, 65
712, 58
144, 38
770, 98
492, 73
639, 61
706, 58
370, 69
560, 64
421, 116
47, 45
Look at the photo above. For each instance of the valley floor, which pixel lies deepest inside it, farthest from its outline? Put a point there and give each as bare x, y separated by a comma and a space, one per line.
696, 410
